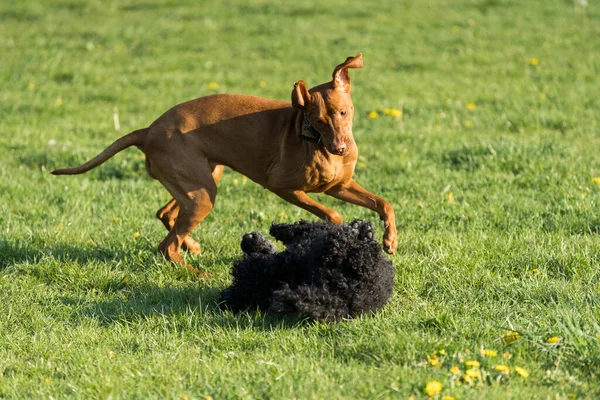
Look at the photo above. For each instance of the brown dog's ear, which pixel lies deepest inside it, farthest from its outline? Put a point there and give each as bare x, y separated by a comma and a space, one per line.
300, 95
341, 78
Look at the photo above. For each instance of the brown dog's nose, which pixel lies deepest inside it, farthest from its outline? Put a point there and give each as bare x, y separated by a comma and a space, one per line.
339, 148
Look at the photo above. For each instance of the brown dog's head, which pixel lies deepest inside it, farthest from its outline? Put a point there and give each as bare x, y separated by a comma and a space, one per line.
329, 107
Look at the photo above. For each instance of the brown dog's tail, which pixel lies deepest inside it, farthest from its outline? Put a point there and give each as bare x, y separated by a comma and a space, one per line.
133, 138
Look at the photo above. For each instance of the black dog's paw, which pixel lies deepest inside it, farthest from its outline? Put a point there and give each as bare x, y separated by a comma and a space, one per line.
290, 233
257, 243
363, 229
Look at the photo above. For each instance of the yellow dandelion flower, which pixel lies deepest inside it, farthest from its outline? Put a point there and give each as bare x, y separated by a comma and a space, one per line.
213, 85
542, 96
447, 398
572, 395
471, 107
111, 355
262, 84
435, 362
184, 397
533, 61
373, 114
455, 370
208, 398
393, 112
534, 271
362, 164
473, 373
472, 363
116, 219
450, 197
596, 181
506, 354
488, 353
553, 339
510, 336
522, 371
136, 235
236, 181
31, 86
47, 380
281, 215
59, 101
433, 387
244, 179
442, 351
502, 368
468, 124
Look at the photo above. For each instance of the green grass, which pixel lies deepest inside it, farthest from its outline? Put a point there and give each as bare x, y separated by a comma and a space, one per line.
498, 215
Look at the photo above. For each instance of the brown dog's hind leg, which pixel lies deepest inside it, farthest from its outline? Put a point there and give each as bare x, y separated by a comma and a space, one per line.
169, 212
194, 193
167, 215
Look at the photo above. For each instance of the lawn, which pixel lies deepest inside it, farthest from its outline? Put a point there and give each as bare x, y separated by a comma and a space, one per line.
488, 152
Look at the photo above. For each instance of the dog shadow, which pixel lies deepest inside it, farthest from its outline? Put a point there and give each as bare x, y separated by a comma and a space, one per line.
146, 299
197, 304
22, 251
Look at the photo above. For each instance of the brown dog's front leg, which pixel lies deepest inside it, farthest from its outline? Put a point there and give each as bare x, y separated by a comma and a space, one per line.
353, 193
301, 199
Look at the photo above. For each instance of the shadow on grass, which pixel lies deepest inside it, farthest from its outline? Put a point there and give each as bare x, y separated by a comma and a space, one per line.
189, 307
20, 251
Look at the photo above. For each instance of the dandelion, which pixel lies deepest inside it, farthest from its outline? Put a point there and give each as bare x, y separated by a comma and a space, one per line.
553, 339
533, 61
213, 85
502, 368
472, 363
31, 86
393, 112
473, 373
185, 397
136, 235
510, 336
434, 361
542, 96
281, 215
471, 107
522, 371
534, 271
208, 397
59, 101
362, 164
442, 351
455, 370
111, 355
596, 180
488, 353
450, 197
468, 124
373, 114
116, 219
506, 354
447, 398
236, 181
262, 84
244, 179
433, 387
47, 380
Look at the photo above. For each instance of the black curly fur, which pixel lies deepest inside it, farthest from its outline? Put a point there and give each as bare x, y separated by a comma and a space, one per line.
326, 272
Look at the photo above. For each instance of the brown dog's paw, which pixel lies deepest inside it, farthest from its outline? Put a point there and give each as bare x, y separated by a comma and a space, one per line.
390, 242
192, 246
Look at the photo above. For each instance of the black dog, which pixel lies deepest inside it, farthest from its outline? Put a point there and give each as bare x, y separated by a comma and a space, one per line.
327, 272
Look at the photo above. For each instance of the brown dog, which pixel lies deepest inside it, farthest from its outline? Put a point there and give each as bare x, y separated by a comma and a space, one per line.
289, 149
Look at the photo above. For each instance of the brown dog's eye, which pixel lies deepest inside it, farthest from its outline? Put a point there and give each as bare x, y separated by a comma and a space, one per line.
343, 112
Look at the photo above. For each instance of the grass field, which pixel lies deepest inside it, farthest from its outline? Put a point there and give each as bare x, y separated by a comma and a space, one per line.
491, 162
